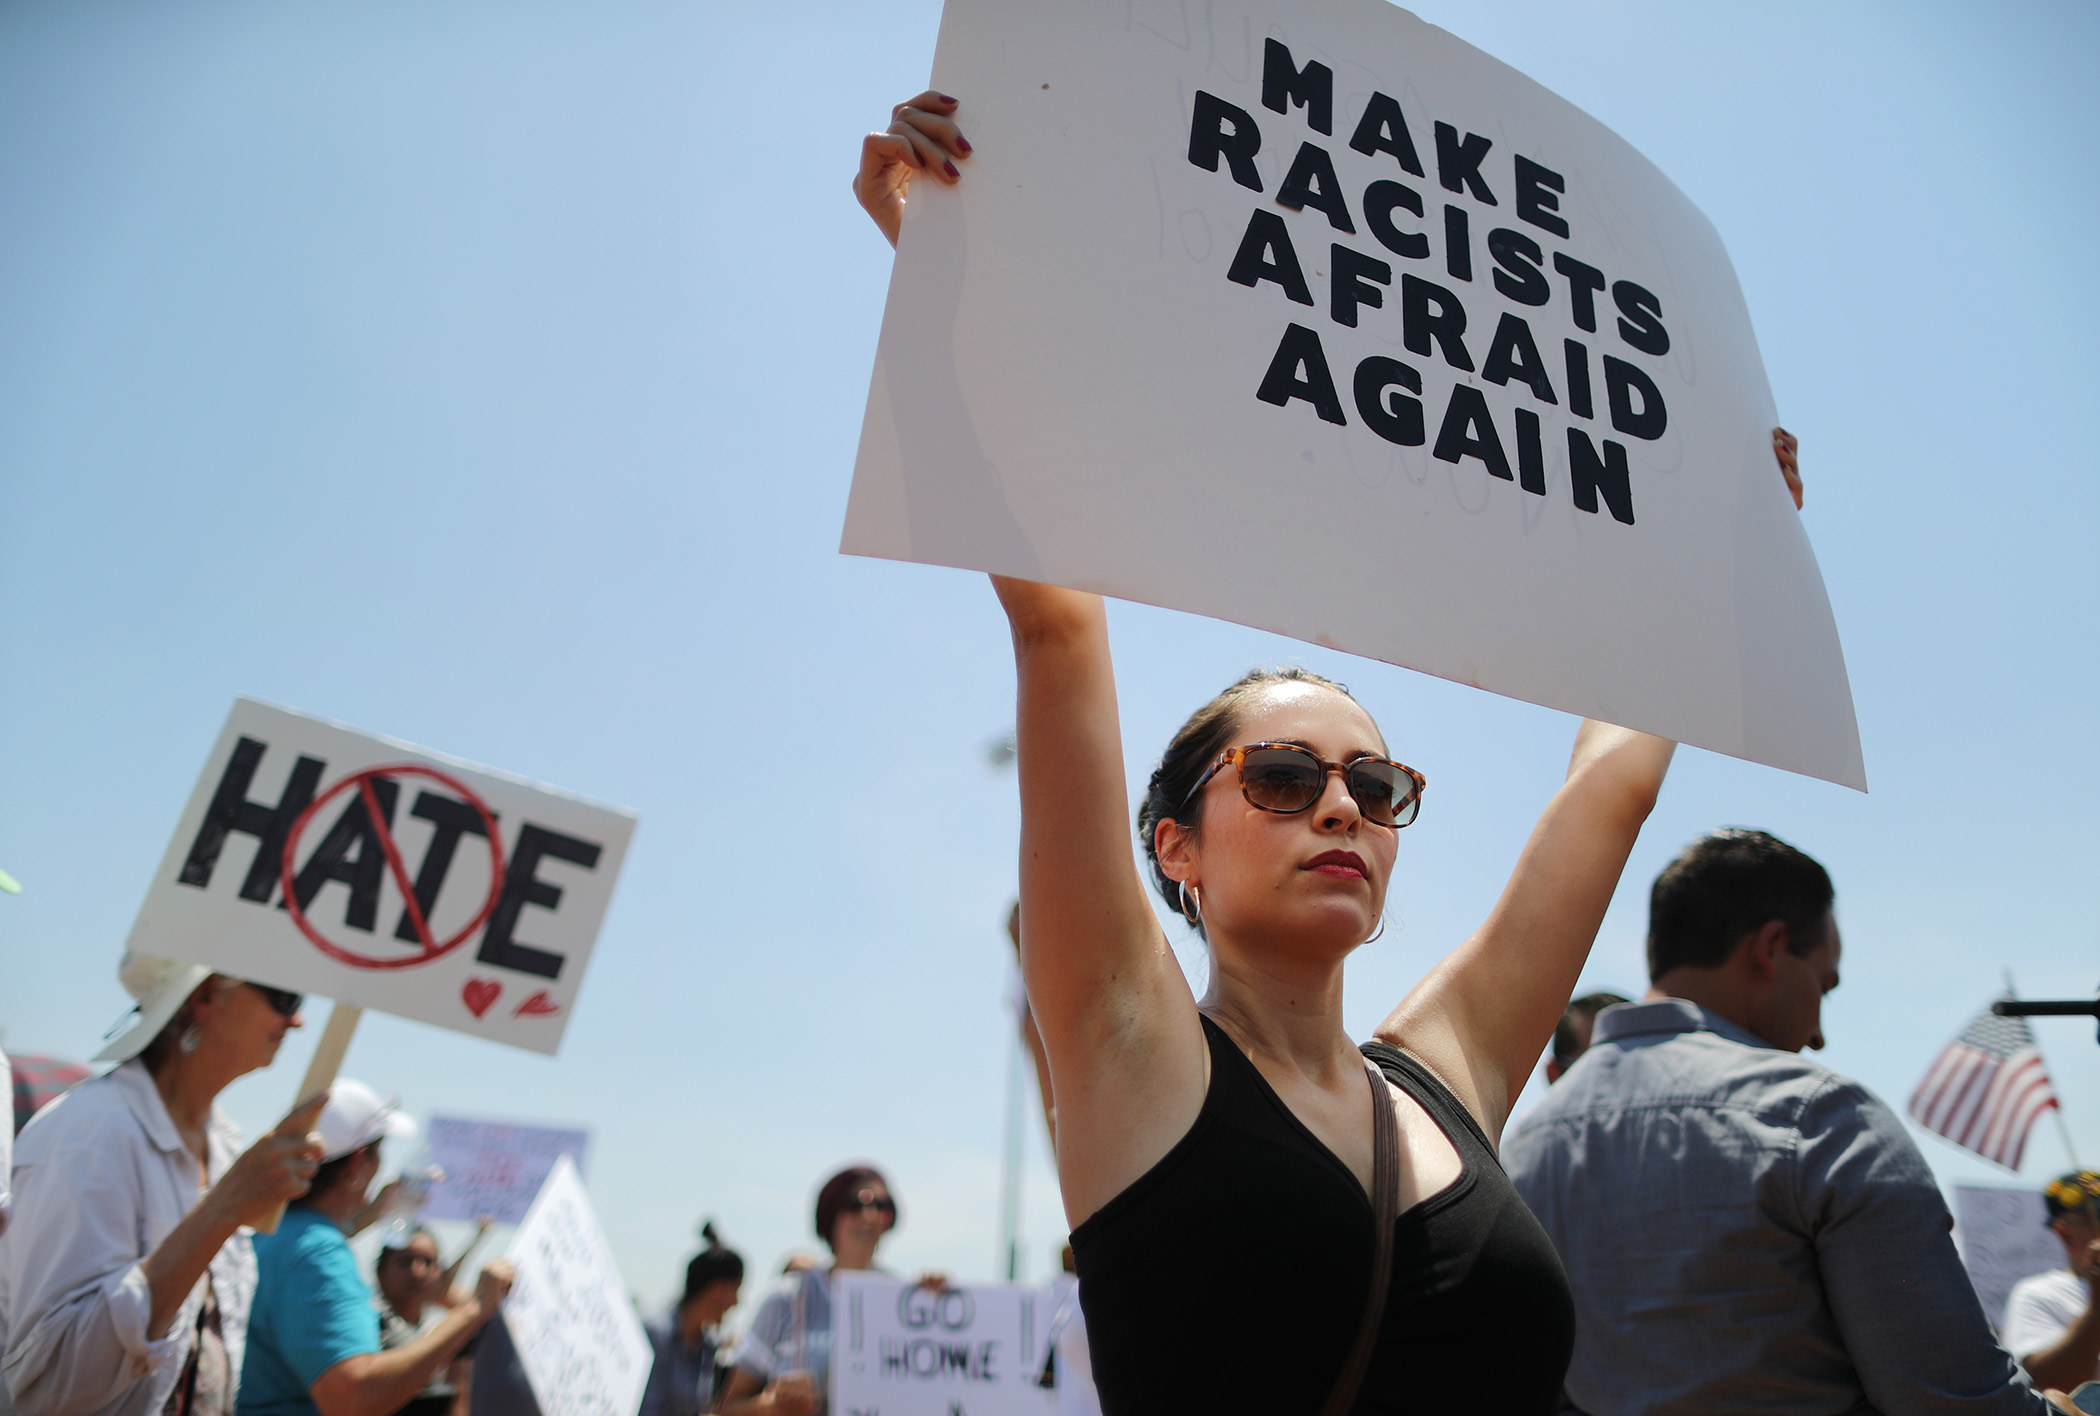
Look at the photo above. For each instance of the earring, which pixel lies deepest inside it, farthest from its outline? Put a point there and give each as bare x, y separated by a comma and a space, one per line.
189, 1040
1194, 915
1375, 933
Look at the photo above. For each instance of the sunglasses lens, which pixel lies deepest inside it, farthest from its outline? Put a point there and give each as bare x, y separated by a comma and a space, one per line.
1383, 792
1282, 778
283, 1000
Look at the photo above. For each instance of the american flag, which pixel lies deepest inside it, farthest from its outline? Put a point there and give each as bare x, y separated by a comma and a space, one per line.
1986, 1091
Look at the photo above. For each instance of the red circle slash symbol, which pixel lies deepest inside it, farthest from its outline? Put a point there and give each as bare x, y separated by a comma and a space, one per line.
431, 947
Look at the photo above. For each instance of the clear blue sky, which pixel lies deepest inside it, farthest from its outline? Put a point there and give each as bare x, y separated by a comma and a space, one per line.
489, 375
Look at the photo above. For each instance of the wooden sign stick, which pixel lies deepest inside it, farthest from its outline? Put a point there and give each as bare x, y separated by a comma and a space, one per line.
321, 1072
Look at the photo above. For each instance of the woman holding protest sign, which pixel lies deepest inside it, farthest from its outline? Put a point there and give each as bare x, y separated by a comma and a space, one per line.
1411, 1276
125, 1279
783, 1362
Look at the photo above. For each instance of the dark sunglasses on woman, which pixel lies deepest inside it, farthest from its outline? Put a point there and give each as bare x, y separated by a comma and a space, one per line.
1286, 778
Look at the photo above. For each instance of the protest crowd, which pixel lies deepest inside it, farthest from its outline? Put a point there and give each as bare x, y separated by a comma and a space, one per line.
1696, 1218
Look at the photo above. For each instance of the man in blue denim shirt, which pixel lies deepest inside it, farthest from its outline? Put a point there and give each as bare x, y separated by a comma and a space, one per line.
1745, 1230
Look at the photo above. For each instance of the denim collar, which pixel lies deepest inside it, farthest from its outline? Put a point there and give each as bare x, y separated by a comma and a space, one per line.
1668, 1015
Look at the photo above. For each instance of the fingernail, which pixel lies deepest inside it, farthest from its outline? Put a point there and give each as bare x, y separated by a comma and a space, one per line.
945, 99
951, 169
962, 143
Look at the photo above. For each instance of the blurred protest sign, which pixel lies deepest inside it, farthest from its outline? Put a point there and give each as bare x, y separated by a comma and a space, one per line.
495, 1168
318, 858
1307, 315
2004, 1236
902, 1350
575, 1331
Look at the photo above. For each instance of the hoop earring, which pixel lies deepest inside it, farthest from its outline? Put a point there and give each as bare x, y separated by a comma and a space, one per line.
1192, 915
1375, 933
189, 1040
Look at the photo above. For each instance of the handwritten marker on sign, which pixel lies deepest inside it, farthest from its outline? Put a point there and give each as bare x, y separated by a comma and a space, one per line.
315, 857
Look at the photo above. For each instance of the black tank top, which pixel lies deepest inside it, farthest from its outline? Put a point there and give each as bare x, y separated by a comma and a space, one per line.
1230, 1277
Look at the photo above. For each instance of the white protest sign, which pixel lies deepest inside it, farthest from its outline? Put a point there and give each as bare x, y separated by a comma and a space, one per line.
322, 859
898, 1349
1307, 315
569, 1316
495, 1168
2004, 1237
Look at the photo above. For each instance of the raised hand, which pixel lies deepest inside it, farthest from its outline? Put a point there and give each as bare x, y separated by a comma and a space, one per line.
922, 137
1787, 448
275, 1170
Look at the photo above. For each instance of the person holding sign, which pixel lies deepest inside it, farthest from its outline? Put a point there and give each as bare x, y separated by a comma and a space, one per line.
314, 1342
126, 1276
783, 1363
1417, 1280
2052, 1320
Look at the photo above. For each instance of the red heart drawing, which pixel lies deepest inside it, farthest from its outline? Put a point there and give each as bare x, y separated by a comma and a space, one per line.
539, 1005
480, 994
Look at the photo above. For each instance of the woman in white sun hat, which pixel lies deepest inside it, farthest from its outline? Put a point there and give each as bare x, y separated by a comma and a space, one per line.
126, 1274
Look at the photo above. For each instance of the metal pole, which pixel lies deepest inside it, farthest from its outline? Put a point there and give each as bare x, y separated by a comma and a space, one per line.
1010, 1166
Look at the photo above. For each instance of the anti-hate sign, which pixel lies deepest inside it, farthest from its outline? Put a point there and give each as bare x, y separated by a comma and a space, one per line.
570, 1319
495, 1168
1307, 315
315, 857
902, 1350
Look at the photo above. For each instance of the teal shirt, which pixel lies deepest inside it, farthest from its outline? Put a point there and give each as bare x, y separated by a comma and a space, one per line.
312, 1309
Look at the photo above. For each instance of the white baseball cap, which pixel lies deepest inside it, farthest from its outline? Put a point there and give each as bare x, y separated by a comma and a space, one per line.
161, 987
355, 1116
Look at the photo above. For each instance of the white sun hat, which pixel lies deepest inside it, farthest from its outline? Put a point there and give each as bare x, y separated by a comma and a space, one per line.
161, 987
355, 1116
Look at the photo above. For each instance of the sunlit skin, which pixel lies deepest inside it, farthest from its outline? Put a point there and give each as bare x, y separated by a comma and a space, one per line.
1763, 986
405, 1276
707, 1309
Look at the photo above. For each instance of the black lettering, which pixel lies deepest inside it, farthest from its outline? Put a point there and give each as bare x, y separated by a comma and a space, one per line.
1519, 261
363, 872
1584, 281
1458, 163
1283, 83
1513, 354
1531, 455
231, 811
1209, 140
1446, 324
1383, 129
1266, 253
1640, 322
1311, 183
1536, 202
1458, 243
1351, 283
1397, 419
1621, 381
1300, 349
1589, 475
1578, 379
1380, 200
450, 820
500, 945
1469, 431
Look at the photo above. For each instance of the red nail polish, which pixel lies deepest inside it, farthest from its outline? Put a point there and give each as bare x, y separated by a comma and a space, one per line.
945, 99
962, 143
951, 169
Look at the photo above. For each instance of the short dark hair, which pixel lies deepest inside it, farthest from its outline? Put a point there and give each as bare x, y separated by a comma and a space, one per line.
1568, 1043
1208, 732
831, 1199
330, 1171
1726, 885
712, 1265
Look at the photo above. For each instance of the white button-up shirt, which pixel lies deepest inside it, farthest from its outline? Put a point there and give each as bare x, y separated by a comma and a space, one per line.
100, 1177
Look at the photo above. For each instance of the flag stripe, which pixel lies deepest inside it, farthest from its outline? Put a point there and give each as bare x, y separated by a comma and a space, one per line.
1986, 1089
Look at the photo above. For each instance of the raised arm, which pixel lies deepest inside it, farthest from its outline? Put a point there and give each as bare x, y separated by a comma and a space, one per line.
1483, 1014
1117, 1020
